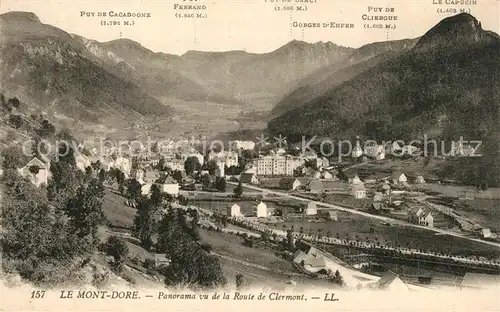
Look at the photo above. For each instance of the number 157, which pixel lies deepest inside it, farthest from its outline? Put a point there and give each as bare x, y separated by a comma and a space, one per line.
37, 294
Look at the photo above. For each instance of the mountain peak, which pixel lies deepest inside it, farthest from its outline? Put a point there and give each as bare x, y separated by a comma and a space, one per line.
460, 28
20, 16
125, 42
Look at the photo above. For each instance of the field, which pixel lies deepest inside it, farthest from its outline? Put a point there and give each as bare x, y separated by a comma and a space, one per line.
457, 191
117, 212
410, 167
482, 211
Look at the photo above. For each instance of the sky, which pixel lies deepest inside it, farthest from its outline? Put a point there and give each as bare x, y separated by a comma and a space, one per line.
251, 25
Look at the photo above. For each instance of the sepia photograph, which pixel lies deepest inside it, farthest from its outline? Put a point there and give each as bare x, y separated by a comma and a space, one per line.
194, 155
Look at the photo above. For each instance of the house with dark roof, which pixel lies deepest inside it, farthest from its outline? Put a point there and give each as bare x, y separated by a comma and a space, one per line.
389, 281
421, 215
290, 183
331, 215
398, 178
358, 191
36, 171
249, 178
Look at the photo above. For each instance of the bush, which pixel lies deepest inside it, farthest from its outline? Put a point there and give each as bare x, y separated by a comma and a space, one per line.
99, 280
116, 248
129, 279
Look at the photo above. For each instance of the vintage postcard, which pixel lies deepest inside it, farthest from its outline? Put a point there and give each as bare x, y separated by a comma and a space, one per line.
250, 155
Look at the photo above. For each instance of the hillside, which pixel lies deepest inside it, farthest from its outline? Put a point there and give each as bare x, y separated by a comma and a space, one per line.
331, 76
447, 86
50, 71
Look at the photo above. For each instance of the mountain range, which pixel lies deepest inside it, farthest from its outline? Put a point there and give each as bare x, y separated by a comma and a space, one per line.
446, 86
119, 81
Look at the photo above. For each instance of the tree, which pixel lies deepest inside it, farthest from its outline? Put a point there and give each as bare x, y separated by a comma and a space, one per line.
85, 211
12, 157
212, 166
102, 175
206, 180
47, 129
177, 175
337, 279
14, 102
191, 165
134, 189
190, 265
240, 281
144, 223
16, 121
37, 239
116, 248
238, 190
289, 239
220, 184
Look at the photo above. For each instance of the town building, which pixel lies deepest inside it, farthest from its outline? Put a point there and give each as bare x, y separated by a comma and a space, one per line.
82, 162
322, 162
326, 175
229, 158
277, 165
311, 172
410, 150
421, 216
419, 180
261, 210
332, 215
487, 234
386, 188
175, 164
357, 151
36, 171
243, 145
389, 281
378, 197
358, 191
249, 178
169, 186
398, 178
290, 184
234, 211
355, 180
311, 209
150, 176
375, 151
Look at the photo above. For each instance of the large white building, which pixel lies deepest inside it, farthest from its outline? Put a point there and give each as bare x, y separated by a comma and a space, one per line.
277, 165
234, 211
175, 164
229, 158
311, 209
36, 171
261, 210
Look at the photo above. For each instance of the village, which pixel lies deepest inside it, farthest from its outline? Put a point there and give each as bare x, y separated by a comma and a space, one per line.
315, 201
